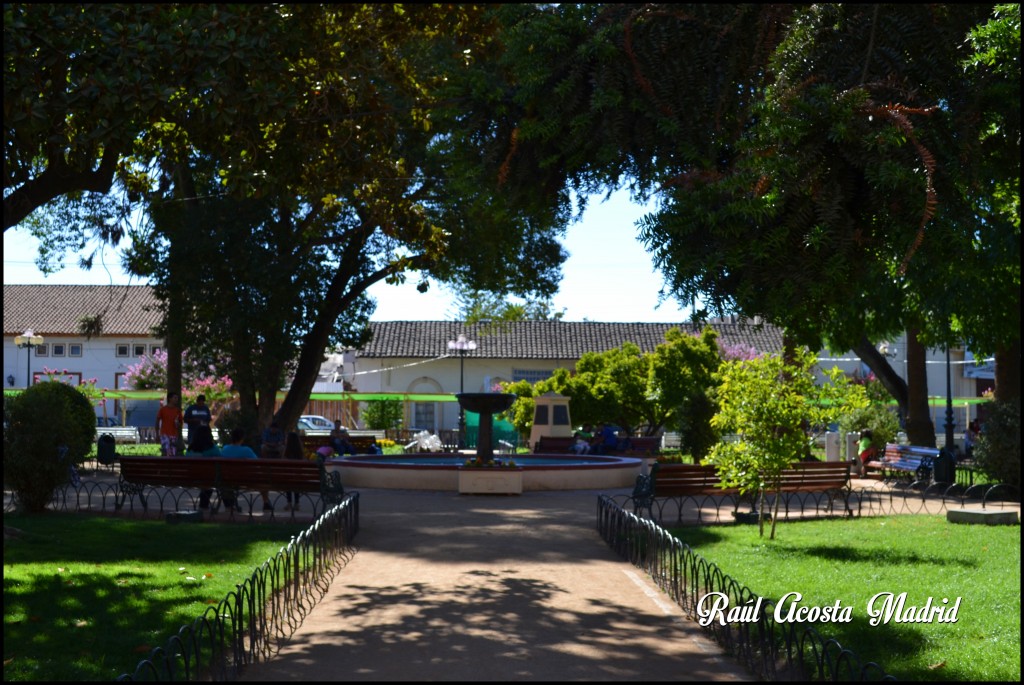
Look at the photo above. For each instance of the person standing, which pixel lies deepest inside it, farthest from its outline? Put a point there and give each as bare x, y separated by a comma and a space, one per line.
198, 418
168, 425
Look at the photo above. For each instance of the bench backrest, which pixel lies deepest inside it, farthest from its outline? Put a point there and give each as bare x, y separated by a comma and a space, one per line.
363, 444
298, 475
815, 475
553, 444
294, 475
894, 452
644, 444
697, 479
685, 479
172, 471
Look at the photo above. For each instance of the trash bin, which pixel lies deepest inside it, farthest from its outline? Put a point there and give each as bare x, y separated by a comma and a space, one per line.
944, 467
106, 449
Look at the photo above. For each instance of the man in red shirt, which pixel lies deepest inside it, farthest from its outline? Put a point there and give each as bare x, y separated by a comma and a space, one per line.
168, 426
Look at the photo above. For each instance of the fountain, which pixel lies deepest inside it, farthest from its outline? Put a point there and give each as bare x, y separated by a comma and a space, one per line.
444, 471
486, 404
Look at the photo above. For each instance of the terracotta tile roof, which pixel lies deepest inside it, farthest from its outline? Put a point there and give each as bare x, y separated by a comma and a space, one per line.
56, 309
132, 310
544, 339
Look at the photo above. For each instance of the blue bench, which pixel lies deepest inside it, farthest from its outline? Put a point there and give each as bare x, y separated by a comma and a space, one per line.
904, 462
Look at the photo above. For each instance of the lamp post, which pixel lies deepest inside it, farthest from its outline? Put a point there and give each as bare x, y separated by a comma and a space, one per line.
28, 340
949, 406
462, 345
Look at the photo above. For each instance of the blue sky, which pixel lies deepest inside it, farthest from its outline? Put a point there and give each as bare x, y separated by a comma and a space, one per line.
608, 276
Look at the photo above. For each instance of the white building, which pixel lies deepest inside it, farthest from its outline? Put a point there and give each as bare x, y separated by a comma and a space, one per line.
125, 317
407, 357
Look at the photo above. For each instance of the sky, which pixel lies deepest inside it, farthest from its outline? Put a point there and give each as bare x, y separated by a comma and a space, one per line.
607, 277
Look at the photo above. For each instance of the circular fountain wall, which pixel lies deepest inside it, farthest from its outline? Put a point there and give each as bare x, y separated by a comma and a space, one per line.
441, 471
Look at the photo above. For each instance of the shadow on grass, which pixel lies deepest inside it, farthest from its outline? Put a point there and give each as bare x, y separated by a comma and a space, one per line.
85, 598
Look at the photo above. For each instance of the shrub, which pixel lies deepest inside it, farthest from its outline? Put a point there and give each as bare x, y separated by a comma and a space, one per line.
997, 452
39, 424
698, 436
383, 414
880, 419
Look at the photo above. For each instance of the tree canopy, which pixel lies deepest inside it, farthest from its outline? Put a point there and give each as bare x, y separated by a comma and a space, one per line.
844, 171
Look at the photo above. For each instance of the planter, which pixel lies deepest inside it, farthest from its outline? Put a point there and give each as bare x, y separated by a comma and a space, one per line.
485, 480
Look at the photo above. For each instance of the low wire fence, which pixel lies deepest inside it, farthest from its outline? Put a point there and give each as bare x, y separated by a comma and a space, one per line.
247, 626
770, 650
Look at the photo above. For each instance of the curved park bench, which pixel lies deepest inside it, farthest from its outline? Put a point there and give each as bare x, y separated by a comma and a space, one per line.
257, 475
903, 462
695, 480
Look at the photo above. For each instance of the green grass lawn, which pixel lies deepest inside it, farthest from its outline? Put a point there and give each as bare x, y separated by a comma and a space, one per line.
86, 598
924, 556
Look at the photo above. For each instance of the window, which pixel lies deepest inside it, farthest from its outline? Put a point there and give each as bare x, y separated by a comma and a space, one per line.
423, 415
139, 350
121, 350
153, 349
531, 375
74, 350
59, 350
43, 350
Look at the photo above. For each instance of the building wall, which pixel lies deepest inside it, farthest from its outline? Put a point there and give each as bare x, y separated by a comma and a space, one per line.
106, 359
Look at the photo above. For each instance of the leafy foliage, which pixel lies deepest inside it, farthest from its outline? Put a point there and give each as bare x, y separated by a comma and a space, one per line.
47, 428
997, 451
383, 414
634, 390
880, 419
769, 403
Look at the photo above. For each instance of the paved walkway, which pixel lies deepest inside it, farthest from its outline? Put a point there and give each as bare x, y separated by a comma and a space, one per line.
484, 588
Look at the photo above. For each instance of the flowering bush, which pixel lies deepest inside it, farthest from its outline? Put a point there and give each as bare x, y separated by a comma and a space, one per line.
87, 387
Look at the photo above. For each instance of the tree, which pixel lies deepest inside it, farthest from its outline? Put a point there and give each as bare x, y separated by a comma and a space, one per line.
768, 401
359, 174
91, 92
821, 166
637, 391
383, 414
477, 306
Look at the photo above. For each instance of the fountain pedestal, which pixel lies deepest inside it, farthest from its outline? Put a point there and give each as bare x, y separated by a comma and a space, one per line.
481, 480
486, 404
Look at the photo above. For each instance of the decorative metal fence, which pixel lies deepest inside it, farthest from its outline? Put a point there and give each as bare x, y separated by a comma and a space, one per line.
247, 625
770, 650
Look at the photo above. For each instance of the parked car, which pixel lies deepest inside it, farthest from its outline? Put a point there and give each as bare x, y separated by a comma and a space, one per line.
317, 422
304, 425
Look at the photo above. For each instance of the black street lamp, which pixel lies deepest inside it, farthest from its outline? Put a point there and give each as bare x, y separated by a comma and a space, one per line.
28, 340
462, 345
949, 406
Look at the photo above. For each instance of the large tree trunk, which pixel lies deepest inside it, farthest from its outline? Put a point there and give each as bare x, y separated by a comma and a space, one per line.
177, 313
919, 427
885, 374
1008, 373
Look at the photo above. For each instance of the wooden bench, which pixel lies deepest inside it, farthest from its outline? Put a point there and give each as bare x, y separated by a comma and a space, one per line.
258, 475
694, 480
550, 444
363, 444
903, 462
643, 445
